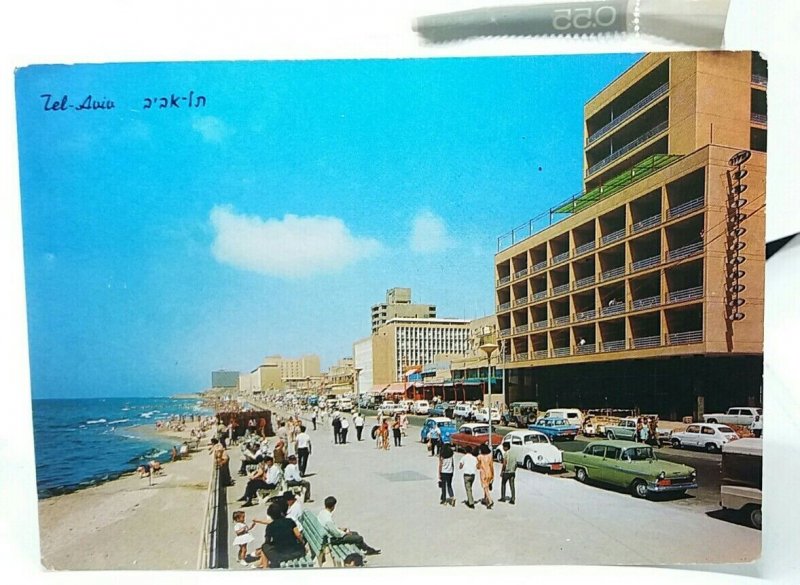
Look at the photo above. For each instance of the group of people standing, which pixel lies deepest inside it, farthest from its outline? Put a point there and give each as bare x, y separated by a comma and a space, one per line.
476, 463
647, 431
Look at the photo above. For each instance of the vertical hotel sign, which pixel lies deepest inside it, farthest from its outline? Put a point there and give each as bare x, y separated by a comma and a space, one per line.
737, 173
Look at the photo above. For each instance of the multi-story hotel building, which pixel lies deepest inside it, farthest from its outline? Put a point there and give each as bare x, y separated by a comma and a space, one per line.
403, 343
646, 290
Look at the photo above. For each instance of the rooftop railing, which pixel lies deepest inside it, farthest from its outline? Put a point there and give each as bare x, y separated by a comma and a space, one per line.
645, 263
633, 145
646, 342
629, 113
613, 345
685, 251
612, 273
582, 282
646, 303
685, 208
645, 224
685, 337
686, 294
612, 237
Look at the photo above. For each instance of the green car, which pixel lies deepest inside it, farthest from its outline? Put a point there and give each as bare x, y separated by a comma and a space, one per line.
634, 467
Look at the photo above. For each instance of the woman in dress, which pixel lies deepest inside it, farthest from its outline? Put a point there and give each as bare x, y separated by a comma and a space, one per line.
486, 470
283, 539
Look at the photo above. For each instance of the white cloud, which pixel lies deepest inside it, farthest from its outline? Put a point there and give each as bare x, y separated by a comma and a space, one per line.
292, 247
429, 233
212, 129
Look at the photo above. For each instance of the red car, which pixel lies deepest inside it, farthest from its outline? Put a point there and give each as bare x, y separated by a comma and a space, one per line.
473, 435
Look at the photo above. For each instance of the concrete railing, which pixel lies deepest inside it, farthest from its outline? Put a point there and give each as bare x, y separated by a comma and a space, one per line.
213, 553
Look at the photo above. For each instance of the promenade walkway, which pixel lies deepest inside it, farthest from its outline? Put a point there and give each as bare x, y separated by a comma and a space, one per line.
392, 499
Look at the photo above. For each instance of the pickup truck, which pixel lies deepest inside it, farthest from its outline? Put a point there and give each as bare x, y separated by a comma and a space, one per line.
745, 416
473, 435
626, 429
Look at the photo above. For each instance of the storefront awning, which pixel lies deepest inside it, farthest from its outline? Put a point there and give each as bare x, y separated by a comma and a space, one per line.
395, 388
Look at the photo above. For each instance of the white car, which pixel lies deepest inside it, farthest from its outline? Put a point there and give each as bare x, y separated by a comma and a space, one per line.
533, 450
406, 406
389, 408
482, 415
710, 437
463, 410
421, 407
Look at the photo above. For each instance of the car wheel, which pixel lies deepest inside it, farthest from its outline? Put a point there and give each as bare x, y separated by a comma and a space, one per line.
610, 435
580, 474
676, 443
498, 456
711, 447
754, 517
529, 464
639, 488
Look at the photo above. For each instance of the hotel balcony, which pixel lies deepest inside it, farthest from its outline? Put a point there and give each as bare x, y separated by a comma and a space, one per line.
628, 114
631, 146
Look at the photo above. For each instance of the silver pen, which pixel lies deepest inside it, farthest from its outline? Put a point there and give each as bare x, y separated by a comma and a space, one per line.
699, 23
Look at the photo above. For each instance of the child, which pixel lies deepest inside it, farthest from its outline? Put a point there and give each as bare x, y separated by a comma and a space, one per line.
243, 536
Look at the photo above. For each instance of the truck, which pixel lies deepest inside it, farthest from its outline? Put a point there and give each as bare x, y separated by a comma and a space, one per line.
744, 416
740, 489
521, 414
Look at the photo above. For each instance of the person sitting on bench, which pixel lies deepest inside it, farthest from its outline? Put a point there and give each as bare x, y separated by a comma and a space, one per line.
265, 477
342, 535
293, 478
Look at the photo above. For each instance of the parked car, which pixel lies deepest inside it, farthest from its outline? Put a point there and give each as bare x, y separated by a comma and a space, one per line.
421, 407
406, 406
389, 408
446, 426
482, 415
344, 405
710, 437
573, 415
472, 435
741, 479
533, 450
555, 428
438, 410
626, 429
463, 410
521, 414
634, 467
746, 416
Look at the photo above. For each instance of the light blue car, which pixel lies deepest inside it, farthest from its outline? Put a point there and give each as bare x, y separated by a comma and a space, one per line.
555, 428
446, 427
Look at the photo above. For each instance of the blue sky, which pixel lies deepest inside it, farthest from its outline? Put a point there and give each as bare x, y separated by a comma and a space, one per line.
163, 244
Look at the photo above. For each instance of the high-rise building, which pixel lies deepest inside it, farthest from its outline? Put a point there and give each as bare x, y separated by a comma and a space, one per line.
404, 342
398, 304
307, 366
224, 379
648, 290
362, 362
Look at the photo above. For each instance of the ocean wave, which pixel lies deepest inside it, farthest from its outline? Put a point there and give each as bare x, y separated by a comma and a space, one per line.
95, 422
116, 422
147, 414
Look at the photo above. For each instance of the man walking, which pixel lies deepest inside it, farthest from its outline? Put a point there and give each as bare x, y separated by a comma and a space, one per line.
337, 428
314, 415
469, 466
358, 421
508, 474
341, 535
433, 436
303, 449
345, 425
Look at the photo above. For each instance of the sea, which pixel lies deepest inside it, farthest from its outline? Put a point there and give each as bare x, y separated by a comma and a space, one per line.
83, 442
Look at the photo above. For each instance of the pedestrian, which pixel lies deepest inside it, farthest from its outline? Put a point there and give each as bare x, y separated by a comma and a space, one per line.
385, 435
358, 421
314, 415
403, 423
336, 423
653, 428
303, 449
345, 427
222, 460
341, 535
396, 431
508, 474
434, 435
638, 433
469, 466
243, 536
446, 470
486, 469
262, 427
279, 453
644, 433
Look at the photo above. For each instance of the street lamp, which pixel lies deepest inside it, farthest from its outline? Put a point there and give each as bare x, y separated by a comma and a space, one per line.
489, 348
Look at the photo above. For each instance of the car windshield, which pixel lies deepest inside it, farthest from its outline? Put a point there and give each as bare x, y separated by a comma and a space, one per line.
725, 430
480, 430
535, 439
639, 454
446, 425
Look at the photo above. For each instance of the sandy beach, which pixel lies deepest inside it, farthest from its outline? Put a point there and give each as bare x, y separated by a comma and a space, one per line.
127, 523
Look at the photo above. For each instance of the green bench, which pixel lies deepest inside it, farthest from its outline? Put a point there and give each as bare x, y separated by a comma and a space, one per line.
320, 545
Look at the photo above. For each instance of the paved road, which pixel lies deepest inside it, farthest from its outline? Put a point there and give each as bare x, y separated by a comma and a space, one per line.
391, 498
